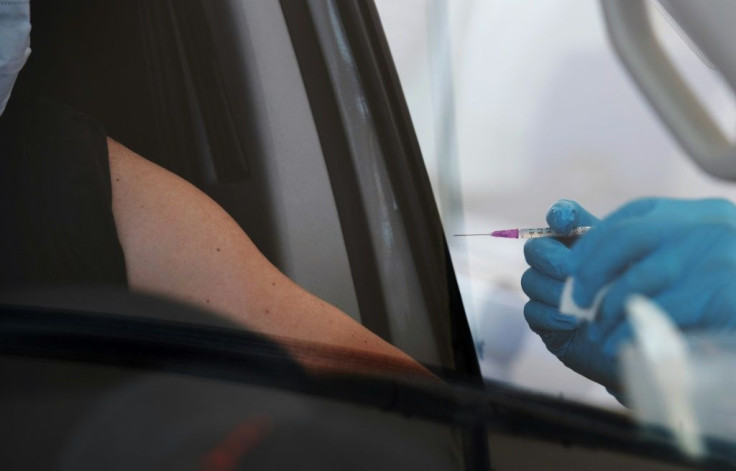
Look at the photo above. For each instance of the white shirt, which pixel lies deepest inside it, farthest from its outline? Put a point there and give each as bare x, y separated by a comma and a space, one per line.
15, 43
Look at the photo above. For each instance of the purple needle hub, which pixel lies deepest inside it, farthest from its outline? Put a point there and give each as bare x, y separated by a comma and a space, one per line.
508, 233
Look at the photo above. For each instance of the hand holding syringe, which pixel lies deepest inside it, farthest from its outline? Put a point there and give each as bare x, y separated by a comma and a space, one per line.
679, 253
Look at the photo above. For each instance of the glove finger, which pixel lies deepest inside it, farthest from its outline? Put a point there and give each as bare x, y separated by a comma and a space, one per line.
549, 256
634, 209
604, 253
698, 301
667, 215
688, 212
648, 277
542, 316
692, 277
565, 215
541, 288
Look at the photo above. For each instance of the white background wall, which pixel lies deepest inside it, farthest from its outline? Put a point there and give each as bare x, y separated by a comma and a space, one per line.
518, 103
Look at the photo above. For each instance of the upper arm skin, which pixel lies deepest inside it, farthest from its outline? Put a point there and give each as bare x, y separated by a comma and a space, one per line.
179, 243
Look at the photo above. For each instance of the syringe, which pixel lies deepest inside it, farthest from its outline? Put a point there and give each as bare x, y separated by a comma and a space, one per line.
532, 233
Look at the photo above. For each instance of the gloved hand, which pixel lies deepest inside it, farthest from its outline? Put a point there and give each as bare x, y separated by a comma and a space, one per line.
565, 336
680, 253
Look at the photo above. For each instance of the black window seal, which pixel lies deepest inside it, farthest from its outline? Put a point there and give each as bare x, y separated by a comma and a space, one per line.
405, 167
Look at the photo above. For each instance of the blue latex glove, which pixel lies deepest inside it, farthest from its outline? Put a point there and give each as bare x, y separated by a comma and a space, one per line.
680, 253
565, 336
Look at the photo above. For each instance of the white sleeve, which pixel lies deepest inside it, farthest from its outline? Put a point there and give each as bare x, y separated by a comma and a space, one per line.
15, 44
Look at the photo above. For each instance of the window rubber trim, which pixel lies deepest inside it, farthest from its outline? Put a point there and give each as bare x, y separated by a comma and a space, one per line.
406, 171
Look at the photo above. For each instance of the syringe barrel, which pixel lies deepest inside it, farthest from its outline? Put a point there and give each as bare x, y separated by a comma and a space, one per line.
534, 233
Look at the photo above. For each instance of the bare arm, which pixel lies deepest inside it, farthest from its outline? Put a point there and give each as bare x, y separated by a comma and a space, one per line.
181, 244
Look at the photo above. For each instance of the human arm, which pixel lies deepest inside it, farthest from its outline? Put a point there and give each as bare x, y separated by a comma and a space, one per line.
179, 243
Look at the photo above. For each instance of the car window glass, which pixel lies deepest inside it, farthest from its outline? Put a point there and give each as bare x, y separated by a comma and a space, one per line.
514, 109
